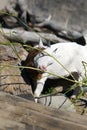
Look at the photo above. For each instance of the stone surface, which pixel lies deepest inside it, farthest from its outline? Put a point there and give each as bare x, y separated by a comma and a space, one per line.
58, 101
70, 14
4, 3
17, 113
11, 77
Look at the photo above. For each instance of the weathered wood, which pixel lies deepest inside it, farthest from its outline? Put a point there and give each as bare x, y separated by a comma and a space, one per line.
6, 124
26, 36
30, 115
62, 32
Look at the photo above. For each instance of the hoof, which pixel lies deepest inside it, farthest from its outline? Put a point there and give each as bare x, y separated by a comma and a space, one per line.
73, 97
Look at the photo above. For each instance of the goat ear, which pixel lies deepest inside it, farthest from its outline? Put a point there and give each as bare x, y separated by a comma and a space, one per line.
41, 43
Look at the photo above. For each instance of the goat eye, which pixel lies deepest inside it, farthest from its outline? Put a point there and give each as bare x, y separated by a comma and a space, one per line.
41, 54
55, 50
50, 63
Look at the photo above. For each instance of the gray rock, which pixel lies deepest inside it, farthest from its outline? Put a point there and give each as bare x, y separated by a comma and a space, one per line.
12, 79
70, 14
4, 3
60, 102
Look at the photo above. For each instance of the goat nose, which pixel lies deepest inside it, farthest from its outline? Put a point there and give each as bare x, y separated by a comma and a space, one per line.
42, 67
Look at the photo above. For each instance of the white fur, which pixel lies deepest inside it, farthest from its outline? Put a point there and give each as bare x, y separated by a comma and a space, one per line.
68, 55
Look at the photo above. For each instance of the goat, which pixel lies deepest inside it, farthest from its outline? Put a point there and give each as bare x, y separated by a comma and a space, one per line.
32, 71
61, 59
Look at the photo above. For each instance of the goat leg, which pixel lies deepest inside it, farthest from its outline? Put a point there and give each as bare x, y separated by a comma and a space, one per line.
40, 86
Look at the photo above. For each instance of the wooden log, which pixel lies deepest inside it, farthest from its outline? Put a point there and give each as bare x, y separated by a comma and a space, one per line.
30, 115
26, 36
62, 32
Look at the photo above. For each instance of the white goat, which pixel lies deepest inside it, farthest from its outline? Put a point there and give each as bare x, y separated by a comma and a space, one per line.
60, 59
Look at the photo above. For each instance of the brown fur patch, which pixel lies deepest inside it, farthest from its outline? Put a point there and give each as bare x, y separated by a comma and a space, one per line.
29, 62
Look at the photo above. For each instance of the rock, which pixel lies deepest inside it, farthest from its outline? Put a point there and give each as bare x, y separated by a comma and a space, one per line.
60, 102
11, 77
69, 14
4, 3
